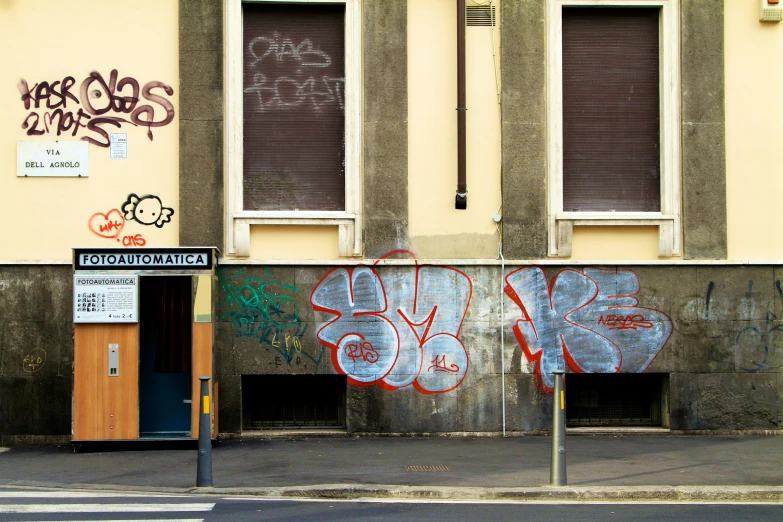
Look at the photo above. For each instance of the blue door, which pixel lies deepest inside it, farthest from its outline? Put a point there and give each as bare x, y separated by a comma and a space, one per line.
165, 339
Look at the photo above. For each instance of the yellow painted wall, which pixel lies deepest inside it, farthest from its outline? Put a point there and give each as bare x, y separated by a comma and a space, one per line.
436, 229
754, 133
294, 242
615, 243
46, 41
754, 154
611, 243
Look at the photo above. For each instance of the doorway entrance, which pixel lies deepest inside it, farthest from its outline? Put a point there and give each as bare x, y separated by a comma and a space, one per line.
165, 353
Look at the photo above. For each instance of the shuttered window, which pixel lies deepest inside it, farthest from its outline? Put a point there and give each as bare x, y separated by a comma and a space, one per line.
294, 107
611, 109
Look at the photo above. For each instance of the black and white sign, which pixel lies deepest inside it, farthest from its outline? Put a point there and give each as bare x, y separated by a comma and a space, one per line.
52, 158
119, 145
106, 299
143, 259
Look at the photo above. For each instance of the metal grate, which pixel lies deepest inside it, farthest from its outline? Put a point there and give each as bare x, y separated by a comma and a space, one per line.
293, 401
427, 468
480, 16
613, 399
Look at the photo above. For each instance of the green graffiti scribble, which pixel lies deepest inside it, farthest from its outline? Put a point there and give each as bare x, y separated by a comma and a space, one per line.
262, 307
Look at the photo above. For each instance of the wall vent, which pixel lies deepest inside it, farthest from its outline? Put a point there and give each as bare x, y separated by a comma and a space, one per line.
480, 16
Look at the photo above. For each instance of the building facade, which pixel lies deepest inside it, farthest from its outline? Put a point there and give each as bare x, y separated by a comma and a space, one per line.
618, 215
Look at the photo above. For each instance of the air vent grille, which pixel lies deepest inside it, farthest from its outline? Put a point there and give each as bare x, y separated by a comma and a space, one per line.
480, 16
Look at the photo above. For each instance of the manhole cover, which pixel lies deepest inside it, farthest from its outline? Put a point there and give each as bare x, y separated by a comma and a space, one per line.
427, 468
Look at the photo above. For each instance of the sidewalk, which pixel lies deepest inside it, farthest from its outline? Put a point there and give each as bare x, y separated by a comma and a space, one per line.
600, 467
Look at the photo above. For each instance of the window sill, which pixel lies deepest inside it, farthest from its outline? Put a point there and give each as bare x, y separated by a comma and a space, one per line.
350, 244
669, 239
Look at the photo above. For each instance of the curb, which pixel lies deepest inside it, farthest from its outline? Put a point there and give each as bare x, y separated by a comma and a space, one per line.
528, 494
680, 494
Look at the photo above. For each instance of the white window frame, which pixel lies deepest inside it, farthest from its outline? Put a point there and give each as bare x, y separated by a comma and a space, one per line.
238, 220
561, 223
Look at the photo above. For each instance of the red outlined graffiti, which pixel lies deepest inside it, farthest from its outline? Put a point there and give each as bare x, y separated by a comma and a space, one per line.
136, 240
628, 322
387, 322
587, 321
363, 350
439, 364
108, 225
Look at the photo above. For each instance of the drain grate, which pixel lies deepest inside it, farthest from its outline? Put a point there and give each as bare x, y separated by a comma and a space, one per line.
427, 468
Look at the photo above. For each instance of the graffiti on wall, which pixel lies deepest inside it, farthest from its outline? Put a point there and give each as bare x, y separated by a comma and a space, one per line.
398, 327
34, 360
747, 348
146, 210
98, 105
284, 92
587, 321
265, 309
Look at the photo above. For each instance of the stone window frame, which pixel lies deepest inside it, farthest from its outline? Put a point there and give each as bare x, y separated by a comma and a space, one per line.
560, 223
237, 220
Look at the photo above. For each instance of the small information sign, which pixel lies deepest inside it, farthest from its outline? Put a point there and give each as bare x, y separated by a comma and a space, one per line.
105, 299
119, 145
52, 158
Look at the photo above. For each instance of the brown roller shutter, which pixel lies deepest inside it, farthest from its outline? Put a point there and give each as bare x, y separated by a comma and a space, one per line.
611, 110
294, 110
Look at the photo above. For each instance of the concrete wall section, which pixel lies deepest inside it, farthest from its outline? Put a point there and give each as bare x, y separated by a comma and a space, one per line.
385, 126
523, 62
703, 130
36, 350
201, 123
421, 348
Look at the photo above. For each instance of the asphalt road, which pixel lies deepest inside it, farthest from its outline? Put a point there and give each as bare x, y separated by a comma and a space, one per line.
22, 504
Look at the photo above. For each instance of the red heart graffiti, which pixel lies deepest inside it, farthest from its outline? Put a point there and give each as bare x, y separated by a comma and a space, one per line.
108, 225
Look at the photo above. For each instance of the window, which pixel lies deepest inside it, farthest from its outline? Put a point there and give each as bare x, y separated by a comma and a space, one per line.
613, 118
293, 118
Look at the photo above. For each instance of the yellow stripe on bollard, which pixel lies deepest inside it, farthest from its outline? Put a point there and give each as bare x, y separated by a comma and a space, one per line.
562, 399
206, 403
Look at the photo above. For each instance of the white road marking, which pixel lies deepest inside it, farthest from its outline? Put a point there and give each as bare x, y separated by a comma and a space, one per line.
144, 520
102, 508
79, 494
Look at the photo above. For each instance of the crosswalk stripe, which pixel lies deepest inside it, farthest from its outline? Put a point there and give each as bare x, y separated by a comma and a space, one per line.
79, 494
103, 508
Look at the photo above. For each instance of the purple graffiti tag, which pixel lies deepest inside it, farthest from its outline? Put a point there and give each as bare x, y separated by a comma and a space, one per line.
102, 105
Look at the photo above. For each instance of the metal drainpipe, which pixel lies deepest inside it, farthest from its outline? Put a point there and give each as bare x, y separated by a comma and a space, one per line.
461, 202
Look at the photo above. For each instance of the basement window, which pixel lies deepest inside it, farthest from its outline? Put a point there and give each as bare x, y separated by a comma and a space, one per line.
293, 401
631, 399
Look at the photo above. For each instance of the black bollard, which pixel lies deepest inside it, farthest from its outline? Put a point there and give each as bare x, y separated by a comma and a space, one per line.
204, 469
557, 473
